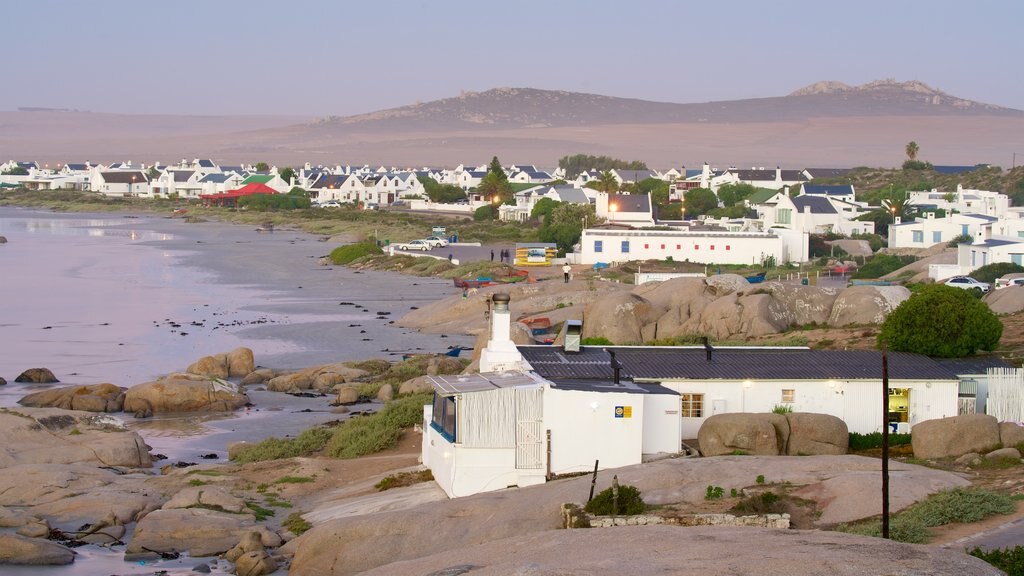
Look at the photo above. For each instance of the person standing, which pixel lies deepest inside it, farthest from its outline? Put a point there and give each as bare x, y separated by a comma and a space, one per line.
492, 254
566, 271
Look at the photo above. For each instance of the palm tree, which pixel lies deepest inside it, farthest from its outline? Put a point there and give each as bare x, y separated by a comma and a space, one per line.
608, 183
912, 150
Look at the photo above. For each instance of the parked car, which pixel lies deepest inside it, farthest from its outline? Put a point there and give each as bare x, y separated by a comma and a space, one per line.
331, 204
1012, 279
967, 283
436, 241
373, 206
414, 245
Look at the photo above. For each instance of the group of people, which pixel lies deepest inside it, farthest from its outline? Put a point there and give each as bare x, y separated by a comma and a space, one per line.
506, 254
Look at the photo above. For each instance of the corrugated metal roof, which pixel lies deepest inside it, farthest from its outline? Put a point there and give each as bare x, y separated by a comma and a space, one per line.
754, 363
465, 383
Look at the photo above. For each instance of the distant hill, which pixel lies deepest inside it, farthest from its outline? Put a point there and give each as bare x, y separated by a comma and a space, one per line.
507, 108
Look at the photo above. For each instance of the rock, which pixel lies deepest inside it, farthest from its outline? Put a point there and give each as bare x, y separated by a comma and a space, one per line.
1011, 434
1006, 301
54, 436
758, 434
259, 376
116, 502
416, 385
37, 529
866, 304
347, 395
954, 436
210, 366
255, 564
1003, 454
2, 381
37, 376
340, 410
184, 396
386, 393
323, 377
93, 398
198, 531
816, 434
213, 497
19, 550
3, 240
443, 364
250, 542
620, 318
969, 459
240, 362
295, 382
722, 284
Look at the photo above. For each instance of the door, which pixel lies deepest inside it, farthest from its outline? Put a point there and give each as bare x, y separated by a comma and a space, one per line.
529, 429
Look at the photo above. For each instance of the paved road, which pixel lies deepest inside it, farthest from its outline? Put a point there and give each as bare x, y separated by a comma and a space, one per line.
1008, 535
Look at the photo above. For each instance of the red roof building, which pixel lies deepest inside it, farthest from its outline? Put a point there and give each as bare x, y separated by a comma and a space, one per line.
230, 198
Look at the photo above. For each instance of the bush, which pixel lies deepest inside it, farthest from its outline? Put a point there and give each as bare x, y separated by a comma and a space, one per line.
990, 272
941, 321
961, 239
346, 254
874, 440
763, 503
1009, 560
596, 341
378, 431
959, 505
484, 213
881, 264
305, 444
782, 409
630, 502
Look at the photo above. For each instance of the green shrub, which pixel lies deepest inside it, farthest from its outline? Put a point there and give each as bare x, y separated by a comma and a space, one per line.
596, 341
305, 444
403, 479
296, 524
630, 502
874, 440
959, 505
294, 480
346, 254
782, 409
1009, 560
260, 512
763, 503
714, 493
378, 431
760, 479
881, 264
990, 272
484, 213
961, 239
941, 321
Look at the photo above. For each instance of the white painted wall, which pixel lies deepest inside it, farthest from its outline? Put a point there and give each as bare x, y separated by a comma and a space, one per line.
662, 425
584, 428
702, 247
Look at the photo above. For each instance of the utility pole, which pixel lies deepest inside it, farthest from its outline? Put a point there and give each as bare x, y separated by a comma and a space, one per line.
885, 441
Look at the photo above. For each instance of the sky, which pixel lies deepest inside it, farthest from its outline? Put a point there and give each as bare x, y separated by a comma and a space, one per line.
337, 57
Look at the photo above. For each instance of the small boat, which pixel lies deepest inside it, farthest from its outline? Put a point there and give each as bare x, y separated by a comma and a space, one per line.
539, 325
871, 282
757, 278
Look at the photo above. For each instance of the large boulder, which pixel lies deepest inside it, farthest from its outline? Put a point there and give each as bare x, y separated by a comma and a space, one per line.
620, 317
258, 376
816, 434
417, 385
756, 434
54, 436
1006, 301
240, 362
324, 377
198, 531
37, 376
722, 284
92, 398
794, 304
175, 395
19, 550
210, 367
955, 436
212, 497
737, 314
866, 304
294, 382
1011, 434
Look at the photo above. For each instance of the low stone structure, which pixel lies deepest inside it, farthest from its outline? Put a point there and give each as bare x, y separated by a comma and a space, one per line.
574, 517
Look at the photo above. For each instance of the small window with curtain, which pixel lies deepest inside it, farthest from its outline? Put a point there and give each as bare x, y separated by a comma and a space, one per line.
692, 405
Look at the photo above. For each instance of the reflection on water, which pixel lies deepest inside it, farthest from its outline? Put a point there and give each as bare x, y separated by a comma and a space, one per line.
178, 425
93, 227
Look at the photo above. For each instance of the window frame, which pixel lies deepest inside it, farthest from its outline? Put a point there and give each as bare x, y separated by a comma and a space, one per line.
445, 421
691, 405
789, 395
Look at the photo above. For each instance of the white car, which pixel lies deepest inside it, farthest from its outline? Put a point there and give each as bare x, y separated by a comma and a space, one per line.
967, 283
1012, 279
414, 245
436, 241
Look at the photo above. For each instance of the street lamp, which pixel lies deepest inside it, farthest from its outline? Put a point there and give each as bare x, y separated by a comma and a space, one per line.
613, 208
130, 185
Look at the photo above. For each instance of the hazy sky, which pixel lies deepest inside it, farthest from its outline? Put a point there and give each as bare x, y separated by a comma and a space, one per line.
320, 57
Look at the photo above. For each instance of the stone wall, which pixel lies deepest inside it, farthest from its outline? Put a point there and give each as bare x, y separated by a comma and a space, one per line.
574, 517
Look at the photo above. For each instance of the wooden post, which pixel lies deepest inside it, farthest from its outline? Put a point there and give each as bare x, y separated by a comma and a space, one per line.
885, 442
547, 475
615, 496
593, 482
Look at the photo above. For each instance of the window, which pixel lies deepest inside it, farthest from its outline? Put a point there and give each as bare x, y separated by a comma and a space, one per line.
788, 395
727, 247
784, 216
696, 246
963, 230
692, 405
1016, 259
443, 419
680, 246
646, 246
662, 246
712, 246
625, 246
918, 236
598, 246
936, 236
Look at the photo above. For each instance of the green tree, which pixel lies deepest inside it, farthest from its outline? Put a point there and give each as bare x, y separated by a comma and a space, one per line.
16, 171
486, 212
287, 173
990, 272
577, 163
943, 321
912, 149
437, 192
543, 207
495, 184
152, 173
261, 167
496, 169
731, 194
564, 224
608, 183
699, 201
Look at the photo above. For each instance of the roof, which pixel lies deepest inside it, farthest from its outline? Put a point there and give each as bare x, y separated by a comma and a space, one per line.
827, 172
630, 202
973, 364
572, 194
998, 242
326, 180
634, 175
762, 195
205, 163
828, 190
261, 178
74, 166
182, 175
217, 178
481, 382
124, 177
817, 204
753, 363
247, 190
769, 174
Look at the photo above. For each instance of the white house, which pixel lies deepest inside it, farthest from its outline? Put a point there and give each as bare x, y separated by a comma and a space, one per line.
814, 214
527, 199
119, 182
624, 209
692, 245
929, 230
983, 202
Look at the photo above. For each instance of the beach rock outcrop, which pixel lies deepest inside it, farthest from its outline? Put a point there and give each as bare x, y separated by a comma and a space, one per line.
622, 318
324, 377
386, 393
757, 434
91, 398
213, 497
866, 304
258, 376
816, 434
37, 376
1007, 301
3, 240
179, 395
250, 557
198, 531
238, 363
20, 550
2, 381
954, 436
1011, 433
347, 395
54, 436
416, 385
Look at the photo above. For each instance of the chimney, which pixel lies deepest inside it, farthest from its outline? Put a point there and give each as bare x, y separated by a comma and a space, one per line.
707, 348
616, 366
501, 353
